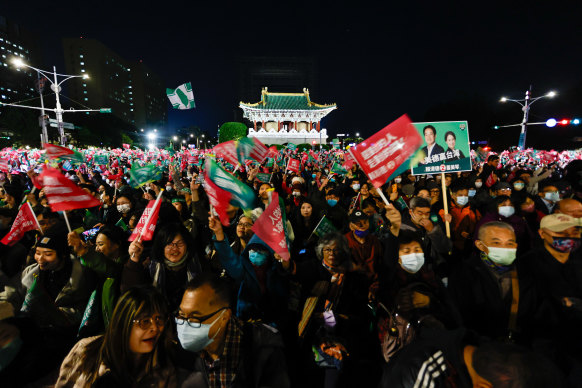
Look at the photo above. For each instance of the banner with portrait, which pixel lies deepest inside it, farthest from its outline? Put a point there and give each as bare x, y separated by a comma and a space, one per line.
445, 148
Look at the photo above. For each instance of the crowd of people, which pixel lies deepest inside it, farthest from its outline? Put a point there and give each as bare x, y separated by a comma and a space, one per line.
474, 281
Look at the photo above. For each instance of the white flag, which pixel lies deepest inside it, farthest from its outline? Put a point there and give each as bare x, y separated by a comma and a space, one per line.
182, 97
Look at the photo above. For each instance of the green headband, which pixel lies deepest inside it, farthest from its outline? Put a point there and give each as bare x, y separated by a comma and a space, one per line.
174, 200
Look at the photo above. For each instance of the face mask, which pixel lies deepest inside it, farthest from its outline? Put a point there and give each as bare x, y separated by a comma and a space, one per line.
518, 186
313, 175
506, 211
107, 181
125, 208
412, 262
552, 196
565, 244
168, 188
462, 200
257, 258
296, 193
102, 196
326, 171
397, 180
502, 256
332, 180
361, 233
356, 187
472, 193
332, 202
478, 184
196, 339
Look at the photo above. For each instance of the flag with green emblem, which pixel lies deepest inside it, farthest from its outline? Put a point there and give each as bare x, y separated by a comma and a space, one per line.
338, 169
266, 178
182, 97
324, 227
242, 195
139, 176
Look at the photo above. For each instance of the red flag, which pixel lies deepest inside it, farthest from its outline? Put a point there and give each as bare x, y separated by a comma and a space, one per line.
304, 158
147, 224
218, 198
313, 155
62, 194
380, 155
269, 228
24, 221
126, 146
4, 166
273, 152
55, 151
491, 179
227, 151
293, 165
348, 161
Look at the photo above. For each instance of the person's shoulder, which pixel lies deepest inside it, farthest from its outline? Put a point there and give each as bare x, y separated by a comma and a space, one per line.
261, 335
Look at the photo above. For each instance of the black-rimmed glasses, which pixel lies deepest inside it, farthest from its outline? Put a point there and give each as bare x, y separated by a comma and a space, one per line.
195, 322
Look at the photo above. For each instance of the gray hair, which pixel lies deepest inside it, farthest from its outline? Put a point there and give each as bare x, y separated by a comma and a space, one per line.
493, 224
340, 241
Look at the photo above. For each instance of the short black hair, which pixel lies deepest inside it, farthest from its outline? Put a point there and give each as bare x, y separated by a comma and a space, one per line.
221, 287
369, 202
408, 236
492, 158
450, 133
419, 202
429, 127
458, 184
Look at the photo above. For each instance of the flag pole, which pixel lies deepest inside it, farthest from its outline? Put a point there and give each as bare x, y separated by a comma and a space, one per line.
379, 190
36, 219
67, 221
355, 201
314, 229
445, 204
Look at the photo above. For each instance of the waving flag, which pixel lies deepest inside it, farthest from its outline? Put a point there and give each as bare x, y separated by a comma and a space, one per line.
24, 221
182, 97
55, 151
250, 147
242, 195
139, 176
62, 194
218, 198
227, 151
144, 230
269, 228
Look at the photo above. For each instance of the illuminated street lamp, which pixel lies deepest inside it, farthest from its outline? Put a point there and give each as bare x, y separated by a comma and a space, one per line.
56, 88
525, 106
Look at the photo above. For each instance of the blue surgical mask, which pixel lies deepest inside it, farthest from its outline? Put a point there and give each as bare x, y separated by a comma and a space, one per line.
472, 193
332, 180
194, 339
257, 258
313, 175
361, 233
506, 211
332, 202
552, 196
462, 200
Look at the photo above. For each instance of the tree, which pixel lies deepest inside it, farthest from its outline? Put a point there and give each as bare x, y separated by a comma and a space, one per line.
231, 131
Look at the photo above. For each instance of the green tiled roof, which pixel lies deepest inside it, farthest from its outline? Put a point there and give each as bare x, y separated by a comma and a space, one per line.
286, 101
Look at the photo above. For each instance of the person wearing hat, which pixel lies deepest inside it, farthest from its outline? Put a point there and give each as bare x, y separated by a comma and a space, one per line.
48, 304
557, 269
366, 247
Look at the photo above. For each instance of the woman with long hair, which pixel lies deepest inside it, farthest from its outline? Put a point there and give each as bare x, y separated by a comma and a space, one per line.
131, 353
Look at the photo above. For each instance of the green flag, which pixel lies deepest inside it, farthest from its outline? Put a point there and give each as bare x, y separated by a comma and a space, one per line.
242, 195
269, 162
264, 177
101, 159
338, 169
122, 225
182, 97
401, 203
139, 176
324, 227
292, 146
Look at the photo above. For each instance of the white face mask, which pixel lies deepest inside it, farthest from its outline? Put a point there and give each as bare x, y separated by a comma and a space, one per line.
412, 262
125, 208
356, 186
506, 211
502, 256
478, 184
168, 188
397, 180
472, 192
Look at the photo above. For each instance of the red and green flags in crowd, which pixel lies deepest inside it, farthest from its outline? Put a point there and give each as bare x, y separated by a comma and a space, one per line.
25, 220
337, 168
227, 151
139, 176
262, 177
55, 152
144, 231
218, 198
251, 148
242, 195
101, 159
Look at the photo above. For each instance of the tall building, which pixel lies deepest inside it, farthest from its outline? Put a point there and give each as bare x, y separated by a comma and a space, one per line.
135, 94
15, 42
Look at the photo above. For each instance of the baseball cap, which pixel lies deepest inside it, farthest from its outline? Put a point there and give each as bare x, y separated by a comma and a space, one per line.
503, 186
358, 216
559, 222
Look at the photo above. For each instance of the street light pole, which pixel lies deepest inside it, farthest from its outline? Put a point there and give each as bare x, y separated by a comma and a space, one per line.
525, 107
44, 136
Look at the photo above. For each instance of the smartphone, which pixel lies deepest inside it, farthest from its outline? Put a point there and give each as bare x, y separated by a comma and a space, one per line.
394, 188
89, 235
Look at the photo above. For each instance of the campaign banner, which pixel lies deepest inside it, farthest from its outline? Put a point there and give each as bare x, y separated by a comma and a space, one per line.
270, 228
445, 148
293, 166
384, 152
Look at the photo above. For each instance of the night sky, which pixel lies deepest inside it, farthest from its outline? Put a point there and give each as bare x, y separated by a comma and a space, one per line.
376, 60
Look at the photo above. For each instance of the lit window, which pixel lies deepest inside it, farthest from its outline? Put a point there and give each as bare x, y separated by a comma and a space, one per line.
86, 99
4, 97
84, 85
20, 47
80, 55
84, 91
82, 63
131, 110
9, 90
82, 70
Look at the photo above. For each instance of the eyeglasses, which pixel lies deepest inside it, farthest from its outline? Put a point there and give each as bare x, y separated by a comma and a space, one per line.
195, 322
146, 323
179, 244
245, 224
331, 250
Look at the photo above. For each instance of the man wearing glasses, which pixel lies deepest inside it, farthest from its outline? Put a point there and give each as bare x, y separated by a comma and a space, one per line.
230, 352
